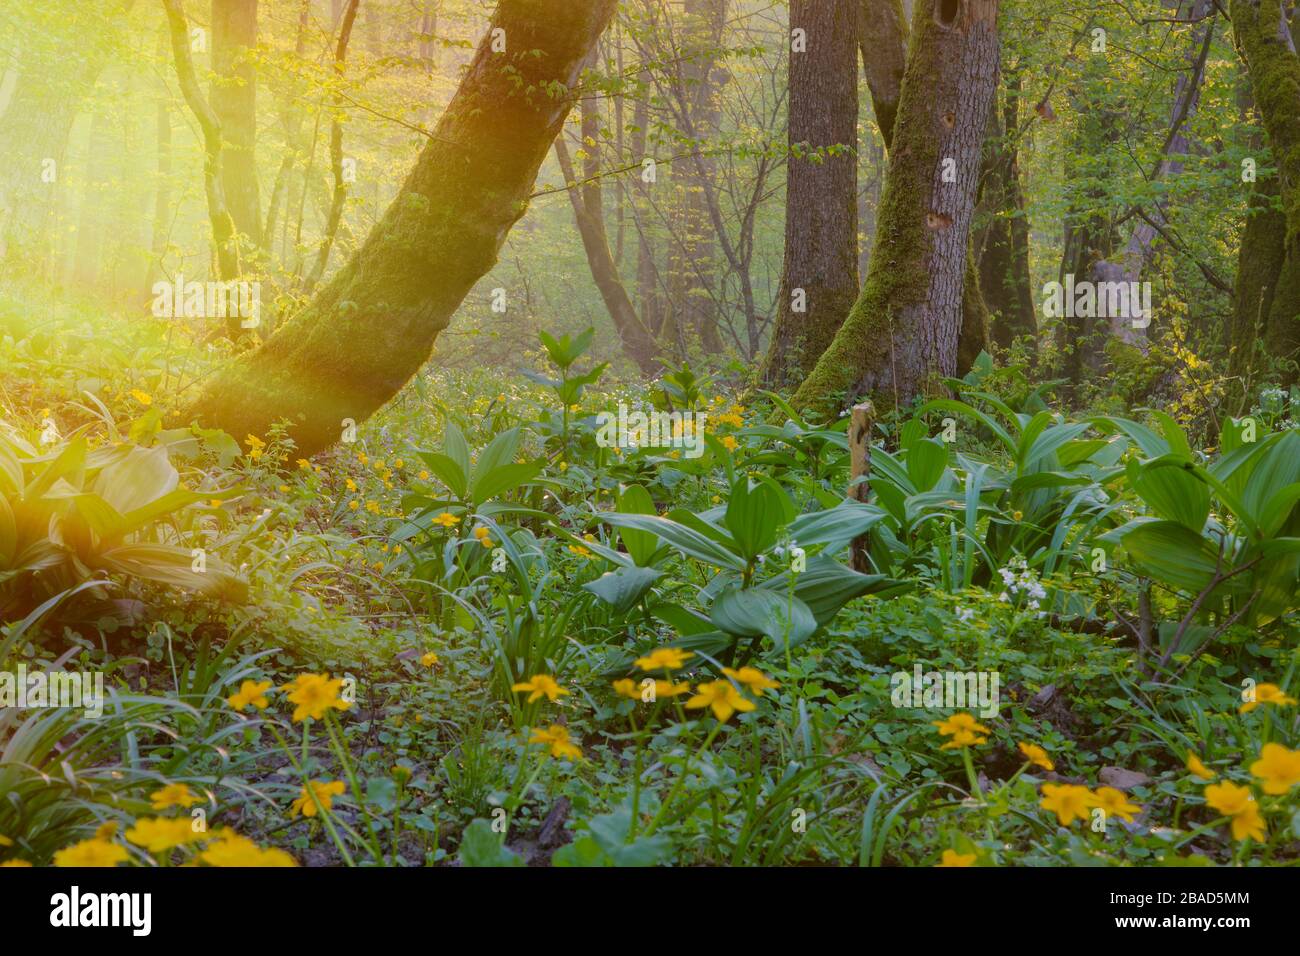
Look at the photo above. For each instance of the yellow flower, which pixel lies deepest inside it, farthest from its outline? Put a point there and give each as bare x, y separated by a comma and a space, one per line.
106, 830
399, 464
1277, 768
580, 551
325, 793
250, 692
1067, 801
351, 485
304, 463
665, 658
15, 863
730, 418
1249, 823
5, 841
92, 853
1115, 803
721, 697
255, 446
487, 543
556, 738
730, 443
231, 849
627, 688
446, 519
666, 688
964, 730
1195, 765
164, 833
144, 398
424, 476
540, 685
752, 679
372, 507
1228, 798
953, 858
174, 795
481, 532
1267, 694
354, 504
314, 694
1037, 756
429, 660
362, 457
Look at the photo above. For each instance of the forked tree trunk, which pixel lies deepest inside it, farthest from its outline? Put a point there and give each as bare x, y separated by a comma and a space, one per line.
819, 282
903, 332
373, 325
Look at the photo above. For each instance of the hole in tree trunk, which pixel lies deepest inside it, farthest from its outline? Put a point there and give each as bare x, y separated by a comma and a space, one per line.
948, 10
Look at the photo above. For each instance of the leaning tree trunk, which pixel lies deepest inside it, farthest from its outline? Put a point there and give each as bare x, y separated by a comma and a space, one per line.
904, 330
819, 280
1264, 39
587, 199
233, 96
374, 324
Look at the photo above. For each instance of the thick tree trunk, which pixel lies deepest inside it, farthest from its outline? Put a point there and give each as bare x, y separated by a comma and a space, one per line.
374, 324
819, 282
1264, 39
233, 96
904, 330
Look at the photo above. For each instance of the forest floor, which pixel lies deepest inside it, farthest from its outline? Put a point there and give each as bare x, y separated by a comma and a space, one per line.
490, 637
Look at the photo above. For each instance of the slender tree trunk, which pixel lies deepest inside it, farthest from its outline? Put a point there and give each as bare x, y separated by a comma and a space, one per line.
373, 325
233, 97
1263, 37
587, 200
1002, 231
882, 38
340, 194
819, 281
903, 332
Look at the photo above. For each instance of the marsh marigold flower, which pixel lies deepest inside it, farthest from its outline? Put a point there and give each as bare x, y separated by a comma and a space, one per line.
250, 692
1115, 803
752, 679
627, 688
231, 849
314, 694
1196, 766
91, 853
1238, 804
1067, 800
325, 793
556, 739
160, 834
1037, 756
1267, 694
721, 697
446, 519
173, 795
664, 658
964, 730
429, 660
1277, 768
540, 685
952, 858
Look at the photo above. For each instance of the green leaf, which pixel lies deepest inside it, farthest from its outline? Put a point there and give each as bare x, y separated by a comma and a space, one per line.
686, 540
641, 545
750, 612
623, 588
926, 461
480, 846
1172, 553
825, 586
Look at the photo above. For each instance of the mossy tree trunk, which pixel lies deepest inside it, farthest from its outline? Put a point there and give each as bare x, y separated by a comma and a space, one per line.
373, 325
1263, 37
904, 330
1002, 231
819, 281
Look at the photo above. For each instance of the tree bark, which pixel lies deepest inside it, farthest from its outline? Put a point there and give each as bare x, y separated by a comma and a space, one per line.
882, 38
588, 204
373, 325
821, 218
905, 327
233, 96
1263, 37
